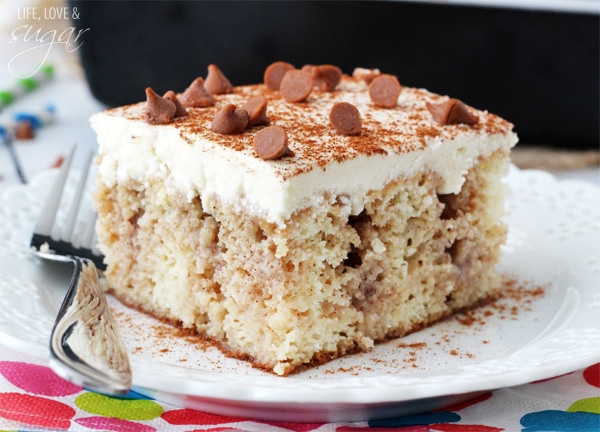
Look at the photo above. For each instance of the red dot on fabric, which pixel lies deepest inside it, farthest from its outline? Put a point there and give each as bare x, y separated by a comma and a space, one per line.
591, 375
113, 424
35, 410
191, 417
297, 427
37, 379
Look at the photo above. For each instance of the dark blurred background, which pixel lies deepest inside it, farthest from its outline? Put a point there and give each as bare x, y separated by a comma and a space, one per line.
538, 69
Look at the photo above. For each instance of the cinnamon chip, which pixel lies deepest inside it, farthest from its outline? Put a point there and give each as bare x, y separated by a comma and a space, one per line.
180, 110
158, 109
326, 77
345, 118
216, 82
196, 95
452, 111
367, 75
24, 130
271, 143
57, 162
308, 68
296, 85
230, 120
257, 111
384, 91
274, 74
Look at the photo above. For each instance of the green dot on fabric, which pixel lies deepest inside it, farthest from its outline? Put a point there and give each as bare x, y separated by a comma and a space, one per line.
591, 405
48, 70
28, 83
125, 409
6, 97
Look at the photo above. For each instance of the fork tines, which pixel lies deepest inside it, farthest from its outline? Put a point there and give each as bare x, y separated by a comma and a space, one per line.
67, 240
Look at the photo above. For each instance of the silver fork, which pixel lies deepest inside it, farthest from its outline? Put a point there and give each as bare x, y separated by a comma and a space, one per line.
85, 343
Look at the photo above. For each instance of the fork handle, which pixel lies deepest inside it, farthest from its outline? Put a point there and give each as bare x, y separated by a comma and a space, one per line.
85, 345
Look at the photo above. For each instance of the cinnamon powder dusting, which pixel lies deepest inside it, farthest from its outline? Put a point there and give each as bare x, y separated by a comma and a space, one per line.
406, 127
443, 341
517, 298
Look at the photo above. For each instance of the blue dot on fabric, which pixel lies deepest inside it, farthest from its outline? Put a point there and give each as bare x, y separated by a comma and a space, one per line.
560, 421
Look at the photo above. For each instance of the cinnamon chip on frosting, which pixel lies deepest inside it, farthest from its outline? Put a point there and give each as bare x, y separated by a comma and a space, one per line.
158, 109
230, 120
180, 110
452, 111
271, 143
257, 111
367, 75
196, 95
296, 85
326, 77
345, 118
308, 68
274, 74
216, 82
384, 91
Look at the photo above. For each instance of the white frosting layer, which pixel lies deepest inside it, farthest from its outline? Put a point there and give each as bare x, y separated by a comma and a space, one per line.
200, 163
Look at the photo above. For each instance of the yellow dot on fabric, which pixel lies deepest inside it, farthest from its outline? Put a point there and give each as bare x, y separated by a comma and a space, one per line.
125, 409
591, 405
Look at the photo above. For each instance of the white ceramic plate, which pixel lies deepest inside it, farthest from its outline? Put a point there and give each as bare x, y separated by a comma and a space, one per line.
547, 326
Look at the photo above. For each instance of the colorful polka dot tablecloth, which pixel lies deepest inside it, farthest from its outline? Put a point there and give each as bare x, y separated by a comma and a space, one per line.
33, 398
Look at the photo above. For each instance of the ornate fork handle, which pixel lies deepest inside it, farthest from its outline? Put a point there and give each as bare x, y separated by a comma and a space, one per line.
99, 363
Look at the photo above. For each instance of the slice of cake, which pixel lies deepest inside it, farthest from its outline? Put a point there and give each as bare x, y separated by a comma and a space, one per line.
299, 220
